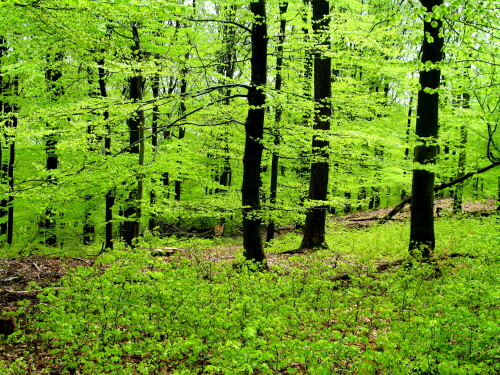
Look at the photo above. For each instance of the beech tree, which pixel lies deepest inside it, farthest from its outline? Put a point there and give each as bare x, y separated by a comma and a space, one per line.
314, 230
8, 88
254, 132
422, 238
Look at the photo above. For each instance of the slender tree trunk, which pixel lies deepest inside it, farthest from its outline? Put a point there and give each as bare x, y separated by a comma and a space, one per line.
8, 89
110, 196
254, 131
155, 90
10, 177
304, 169
422, 237
404, 193
277, 119
52, 76
462, 158
314, 230
10, 170
182, 131
4, 110
88, 230
132, 212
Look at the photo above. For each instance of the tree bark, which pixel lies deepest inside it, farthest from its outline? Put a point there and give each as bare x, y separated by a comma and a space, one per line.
314, 230
422, 237
10, 177
277, 119
254, 131
404, 193
304, 167
132, 213
110, 197
52, 75
8, 89
155, 90
182, 130
5, 110
462, 159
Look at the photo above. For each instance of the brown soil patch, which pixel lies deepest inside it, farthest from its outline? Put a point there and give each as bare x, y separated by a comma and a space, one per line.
444, 207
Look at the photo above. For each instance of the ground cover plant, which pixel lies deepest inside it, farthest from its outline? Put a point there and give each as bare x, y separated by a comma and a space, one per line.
132, 313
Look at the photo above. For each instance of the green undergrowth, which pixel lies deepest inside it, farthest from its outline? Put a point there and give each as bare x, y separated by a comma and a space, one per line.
136, 314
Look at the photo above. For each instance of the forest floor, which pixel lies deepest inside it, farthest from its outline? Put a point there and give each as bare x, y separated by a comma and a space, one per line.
17, 275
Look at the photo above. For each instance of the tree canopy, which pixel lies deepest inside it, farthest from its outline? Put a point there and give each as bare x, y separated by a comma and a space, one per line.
121, 112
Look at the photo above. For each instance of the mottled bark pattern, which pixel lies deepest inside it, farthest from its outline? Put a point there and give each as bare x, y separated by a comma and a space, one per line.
110, 198
254, 129
314, 229
132, 213
422, 238
277, 119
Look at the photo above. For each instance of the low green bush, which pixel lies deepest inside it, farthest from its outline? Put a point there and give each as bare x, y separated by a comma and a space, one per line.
136, 314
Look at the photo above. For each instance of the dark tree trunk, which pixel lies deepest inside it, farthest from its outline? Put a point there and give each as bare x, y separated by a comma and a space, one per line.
462, 158
304, 169
254, 130
155, 90
277, 120
10, 167
182, 131
110, 198
404, 193
10, 177
52, 76
314, 229
347, 206
132, 213
5, 110
422, 238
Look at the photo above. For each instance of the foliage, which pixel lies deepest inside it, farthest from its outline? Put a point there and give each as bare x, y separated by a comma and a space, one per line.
205, 45
132, 313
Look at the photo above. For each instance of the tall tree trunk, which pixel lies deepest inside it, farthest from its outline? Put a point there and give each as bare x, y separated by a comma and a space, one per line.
132, 212
254, 131
182, 131
222, 171
462, 158
422, 237
8, 89
314, 230
10, 177
110, 196
88, 230
304, 169
52, 76
277, 119
4, 110
404, 193
155, 90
